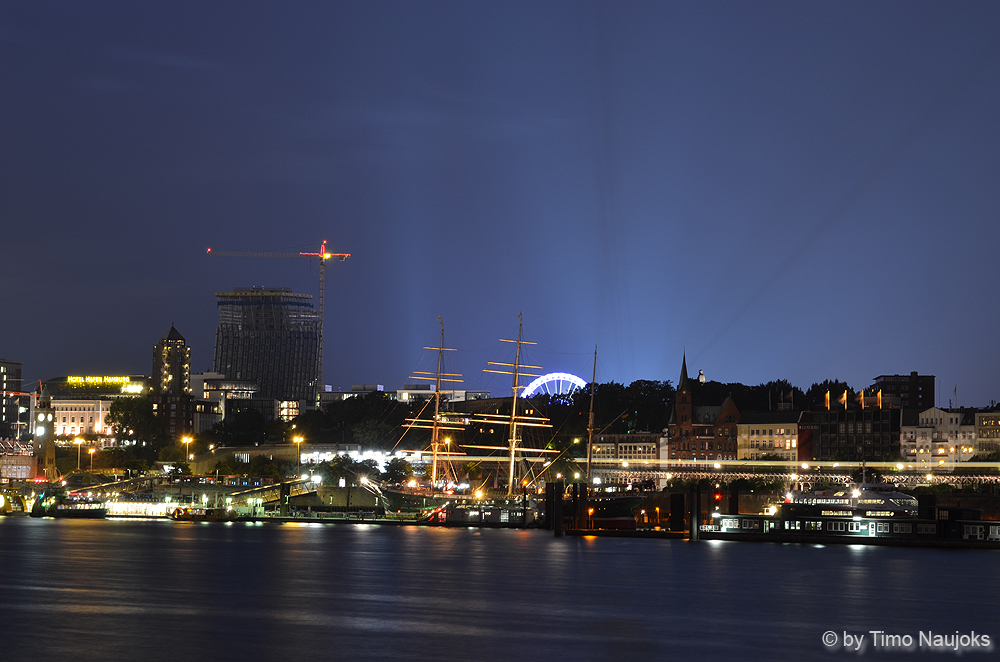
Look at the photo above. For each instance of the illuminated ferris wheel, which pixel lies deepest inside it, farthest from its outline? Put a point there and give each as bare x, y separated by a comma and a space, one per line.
554, 383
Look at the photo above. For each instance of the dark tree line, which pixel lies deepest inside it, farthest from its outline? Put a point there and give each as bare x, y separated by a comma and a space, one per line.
373, 420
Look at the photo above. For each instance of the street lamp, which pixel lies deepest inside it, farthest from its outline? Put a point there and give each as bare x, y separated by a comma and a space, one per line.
186, 441
78, 441
91, 451
298, 452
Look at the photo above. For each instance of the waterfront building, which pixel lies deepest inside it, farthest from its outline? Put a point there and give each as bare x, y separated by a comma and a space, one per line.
17, 460
988, 432
856, 433
80, 403
629, 458
307, 454
772, 434
170, 387
940, 436
422, 392
409, 393
910, 391
214, 394
11, 406
269, 336
217, 387
206, 415
76, 417
634, 446
701, 432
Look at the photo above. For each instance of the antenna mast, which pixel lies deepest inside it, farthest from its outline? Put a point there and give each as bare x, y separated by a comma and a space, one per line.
590, 419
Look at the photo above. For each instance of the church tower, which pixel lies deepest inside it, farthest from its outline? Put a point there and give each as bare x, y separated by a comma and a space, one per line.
683, 408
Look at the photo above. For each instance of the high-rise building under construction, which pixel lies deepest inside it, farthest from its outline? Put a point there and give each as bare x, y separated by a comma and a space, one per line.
271, 336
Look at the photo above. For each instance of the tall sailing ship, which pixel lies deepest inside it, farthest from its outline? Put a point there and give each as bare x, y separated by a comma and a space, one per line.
517, 507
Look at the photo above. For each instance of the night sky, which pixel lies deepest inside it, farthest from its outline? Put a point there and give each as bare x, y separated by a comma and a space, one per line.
782, 189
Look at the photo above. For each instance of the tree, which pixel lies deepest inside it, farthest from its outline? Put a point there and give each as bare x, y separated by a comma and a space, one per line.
111, 458
371, 433
651, 403
223, 468
369, 468
265, 467
133, 418
342, 466
397, 471
245, 427
181, 469
373, 420
816, 395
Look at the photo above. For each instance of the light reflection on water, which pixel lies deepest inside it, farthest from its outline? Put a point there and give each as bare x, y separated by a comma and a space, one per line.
160, 590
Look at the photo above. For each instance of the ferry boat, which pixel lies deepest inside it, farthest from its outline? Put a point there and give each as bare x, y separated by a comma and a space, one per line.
69, 505
957, 525
861, 500
861, 513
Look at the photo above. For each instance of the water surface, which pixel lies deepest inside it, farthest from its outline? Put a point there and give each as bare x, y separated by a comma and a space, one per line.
162, 590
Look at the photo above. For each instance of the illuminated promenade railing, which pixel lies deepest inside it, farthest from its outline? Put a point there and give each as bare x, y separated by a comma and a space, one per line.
140, 508
899, 472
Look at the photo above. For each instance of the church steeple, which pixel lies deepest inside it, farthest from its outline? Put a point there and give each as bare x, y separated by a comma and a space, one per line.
683, 381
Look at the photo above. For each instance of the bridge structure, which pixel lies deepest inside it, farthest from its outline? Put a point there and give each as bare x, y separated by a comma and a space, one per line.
12, 500
142, 484
276, 492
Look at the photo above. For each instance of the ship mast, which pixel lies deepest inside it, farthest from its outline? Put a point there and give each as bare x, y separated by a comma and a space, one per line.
590, 419
514, 421
439, 423
436, 430
513, 409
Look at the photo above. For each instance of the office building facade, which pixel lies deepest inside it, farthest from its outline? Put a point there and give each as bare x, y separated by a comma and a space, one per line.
911, 391
856, 434
11, 420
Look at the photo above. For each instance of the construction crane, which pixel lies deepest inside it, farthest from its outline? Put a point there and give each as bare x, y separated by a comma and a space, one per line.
323, 256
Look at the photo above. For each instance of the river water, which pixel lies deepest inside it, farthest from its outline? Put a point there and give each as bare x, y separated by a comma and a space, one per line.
162, 590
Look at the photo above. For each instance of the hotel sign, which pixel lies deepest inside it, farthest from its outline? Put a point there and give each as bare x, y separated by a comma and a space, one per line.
124, 384
98, 381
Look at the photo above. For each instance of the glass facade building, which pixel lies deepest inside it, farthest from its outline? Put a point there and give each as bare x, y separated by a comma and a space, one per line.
269, 336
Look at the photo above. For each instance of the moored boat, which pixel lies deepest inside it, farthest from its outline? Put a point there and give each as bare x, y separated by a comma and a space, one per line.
198, 514
515, 513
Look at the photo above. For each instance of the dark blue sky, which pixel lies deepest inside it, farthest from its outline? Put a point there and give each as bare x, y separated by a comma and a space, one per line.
785, 190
